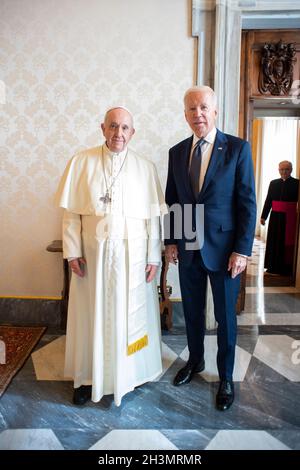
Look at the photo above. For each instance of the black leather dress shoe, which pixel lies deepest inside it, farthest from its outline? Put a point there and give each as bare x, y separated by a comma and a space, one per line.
184, 375
82, 394
225, 395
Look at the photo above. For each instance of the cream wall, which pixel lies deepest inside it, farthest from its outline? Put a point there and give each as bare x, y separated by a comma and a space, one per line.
63, 62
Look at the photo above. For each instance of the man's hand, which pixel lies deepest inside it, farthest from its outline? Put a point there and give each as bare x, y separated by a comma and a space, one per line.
171, 253
151, 271
236, 264
77, 266
262, 221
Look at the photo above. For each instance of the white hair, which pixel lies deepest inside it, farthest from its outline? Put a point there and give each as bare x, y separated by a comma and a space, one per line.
287, 163
202, 88
118, 107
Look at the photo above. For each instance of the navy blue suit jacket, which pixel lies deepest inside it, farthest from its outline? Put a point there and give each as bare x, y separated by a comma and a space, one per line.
228, 196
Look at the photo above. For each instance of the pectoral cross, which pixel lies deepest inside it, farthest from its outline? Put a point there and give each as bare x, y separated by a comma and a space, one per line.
105, 199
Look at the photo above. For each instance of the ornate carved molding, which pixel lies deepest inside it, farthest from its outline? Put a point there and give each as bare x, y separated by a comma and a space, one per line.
276, 68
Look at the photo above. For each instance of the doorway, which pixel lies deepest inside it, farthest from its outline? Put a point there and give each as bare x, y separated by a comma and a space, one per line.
274, 139
271, 124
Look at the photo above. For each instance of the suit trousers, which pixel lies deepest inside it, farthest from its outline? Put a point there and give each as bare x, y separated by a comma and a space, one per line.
193, 283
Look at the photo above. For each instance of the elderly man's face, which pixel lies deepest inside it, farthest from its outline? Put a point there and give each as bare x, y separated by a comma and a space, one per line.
200, 112
117, 129
285, 170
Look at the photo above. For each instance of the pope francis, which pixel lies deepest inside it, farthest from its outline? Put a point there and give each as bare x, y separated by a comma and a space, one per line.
111, 237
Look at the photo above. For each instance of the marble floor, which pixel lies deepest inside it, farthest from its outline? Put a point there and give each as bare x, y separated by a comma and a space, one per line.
36, 410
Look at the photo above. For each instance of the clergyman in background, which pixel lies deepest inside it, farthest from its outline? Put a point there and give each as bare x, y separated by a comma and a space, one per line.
281, 201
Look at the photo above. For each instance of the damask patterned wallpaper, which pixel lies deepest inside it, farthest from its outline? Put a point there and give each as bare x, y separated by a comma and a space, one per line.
63, 62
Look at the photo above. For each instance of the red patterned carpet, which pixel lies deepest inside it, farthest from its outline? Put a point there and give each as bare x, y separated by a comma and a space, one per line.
19, 342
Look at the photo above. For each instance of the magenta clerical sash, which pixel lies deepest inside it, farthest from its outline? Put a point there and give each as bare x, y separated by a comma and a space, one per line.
290, 210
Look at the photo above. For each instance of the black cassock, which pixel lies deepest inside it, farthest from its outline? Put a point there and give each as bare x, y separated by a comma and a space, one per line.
275, 258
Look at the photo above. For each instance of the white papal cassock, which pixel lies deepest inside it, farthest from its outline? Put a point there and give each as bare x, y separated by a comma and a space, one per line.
113, 330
